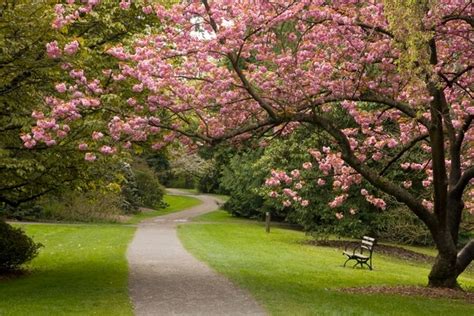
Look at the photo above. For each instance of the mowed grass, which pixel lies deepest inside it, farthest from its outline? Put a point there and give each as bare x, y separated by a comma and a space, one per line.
289, 277
82, 270
176, 203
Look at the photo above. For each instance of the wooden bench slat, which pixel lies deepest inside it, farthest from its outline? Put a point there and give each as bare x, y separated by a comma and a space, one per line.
368, 243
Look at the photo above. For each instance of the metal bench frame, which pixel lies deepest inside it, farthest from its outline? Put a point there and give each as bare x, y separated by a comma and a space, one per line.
362, 253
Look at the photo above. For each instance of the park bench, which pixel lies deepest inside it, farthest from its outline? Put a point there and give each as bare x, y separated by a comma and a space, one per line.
361, 253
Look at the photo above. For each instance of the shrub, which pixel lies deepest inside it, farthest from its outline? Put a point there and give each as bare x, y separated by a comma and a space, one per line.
16, 248
130, 192
401, 226
149, 188
241, 180
209, 182
76, 206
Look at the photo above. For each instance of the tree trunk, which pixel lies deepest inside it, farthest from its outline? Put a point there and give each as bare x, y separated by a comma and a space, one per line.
443, 273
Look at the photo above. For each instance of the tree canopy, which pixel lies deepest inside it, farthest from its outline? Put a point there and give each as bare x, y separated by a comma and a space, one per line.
381, 80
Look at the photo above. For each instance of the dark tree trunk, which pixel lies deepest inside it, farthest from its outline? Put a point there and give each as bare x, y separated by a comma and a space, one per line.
443, 273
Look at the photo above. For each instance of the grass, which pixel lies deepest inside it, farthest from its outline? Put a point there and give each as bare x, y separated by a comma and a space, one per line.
289, 277
176, 203
82, 270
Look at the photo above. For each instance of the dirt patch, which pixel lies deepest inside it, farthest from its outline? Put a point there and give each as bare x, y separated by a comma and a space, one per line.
398, 252
413, 291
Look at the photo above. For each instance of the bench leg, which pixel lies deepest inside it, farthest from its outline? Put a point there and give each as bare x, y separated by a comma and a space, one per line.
347, 261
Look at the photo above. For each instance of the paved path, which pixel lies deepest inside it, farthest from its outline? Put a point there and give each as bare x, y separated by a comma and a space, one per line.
167, 280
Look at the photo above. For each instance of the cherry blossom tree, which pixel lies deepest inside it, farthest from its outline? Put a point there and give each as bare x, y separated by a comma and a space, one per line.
389, 82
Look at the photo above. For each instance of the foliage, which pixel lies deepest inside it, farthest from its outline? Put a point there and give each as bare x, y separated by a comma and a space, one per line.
77, 206
159, 162
241, 180
400, 226
16, 248
131, 198
29, 78
149, 188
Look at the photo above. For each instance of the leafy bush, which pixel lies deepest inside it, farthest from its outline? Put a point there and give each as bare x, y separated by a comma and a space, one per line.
209, 183
241, 180
399, 225
130, 193
91, 206
16, 248
149, 188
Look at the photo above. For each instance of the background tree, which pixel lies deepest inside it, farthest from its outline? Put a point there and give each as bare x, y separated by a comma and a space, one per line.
30, 75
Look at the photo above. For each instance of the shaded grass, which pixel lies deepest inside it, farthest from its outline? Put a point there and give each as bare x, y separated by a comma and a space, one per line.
176, 203
82, 270
289, 277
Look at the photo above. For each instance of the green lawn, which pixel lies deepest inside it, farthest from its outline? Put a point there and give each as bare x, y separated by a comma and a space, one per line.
176, 203
82, 270
289, 277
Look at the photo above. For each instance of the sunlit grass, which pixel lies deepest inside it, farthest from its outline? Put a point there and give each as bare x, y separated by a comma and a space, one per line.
290, 277
82, 270
175, 203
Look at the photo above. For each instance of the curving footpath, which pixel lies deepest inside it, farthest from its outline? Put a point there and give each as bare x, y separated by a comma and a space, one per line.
167, 280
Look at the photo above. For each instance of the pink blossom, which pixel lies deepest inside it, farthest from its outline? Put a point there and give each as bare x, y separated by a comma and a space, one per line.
37, 115
82, 146
71, 48
90, 157
28, 141
272, 194
286, 203
125, 4
364, 192
97, 135
339, 215
304, 203
428, 205
338, 200
295, 174
272, 182
321, 182
52, 49
157, 146
50, 142
147, 9
107, 150
405, 165
416, 166
61, 87
353, 211
307, 165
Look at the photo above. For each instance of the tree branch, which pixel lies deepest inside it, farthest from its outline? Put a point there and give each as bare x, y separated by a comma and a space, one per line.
405, 148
